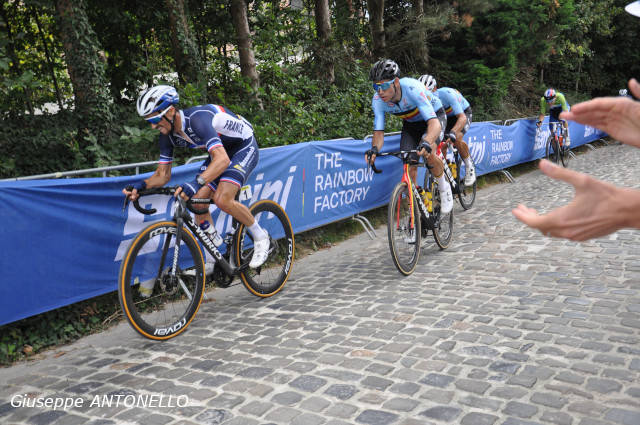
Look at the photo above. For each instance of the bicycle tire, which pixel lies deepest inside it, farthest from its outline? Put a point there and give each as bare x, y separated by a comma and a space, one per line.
466, 194
552, 153
404, 253
268, 279
173, 302
565, 156
443, 224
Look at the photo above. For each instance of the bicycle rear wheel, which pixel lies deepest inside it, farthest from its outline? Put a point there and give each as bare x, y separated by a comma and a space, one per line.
404, 240
442, 223
268, 279
171, 302
553, 151
466, 194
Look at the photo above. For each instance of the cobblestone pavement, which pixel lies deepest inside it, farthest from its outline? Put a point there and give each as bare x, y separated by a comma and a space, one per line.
505, 327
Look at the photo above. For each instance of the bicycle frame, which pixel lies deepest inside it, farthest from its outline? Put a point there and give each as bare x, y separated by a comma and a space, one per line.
557, 131
182, 217
413, 190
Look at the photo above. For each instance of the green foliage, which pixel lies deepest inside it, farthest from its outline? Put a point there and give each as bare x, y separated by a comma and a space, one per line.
26, 337
500, 54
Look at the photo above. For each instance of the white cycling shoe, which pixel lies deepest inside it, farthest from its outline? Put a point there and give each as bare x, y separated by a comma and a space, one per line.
446, 199
260, 253
470, 178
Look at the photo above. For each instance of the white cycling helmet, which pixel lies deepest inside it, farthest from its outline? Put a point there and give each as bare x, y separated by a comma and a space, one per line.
633, 8
156, 98
429, 81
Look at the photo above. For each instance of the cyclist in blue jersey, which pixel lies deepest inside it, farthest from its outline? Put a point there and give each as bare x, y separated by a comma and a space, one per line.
459, 116
233, 154
555, 102
423, 127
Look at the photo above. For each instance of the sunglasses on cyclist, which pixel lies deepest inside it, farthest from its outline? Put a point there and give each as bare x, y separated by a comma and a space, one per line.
156, 118
383, 86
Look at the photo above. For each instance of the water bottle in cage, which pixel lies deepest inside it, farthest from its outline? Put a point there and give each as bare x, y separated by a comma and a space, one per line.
211, 232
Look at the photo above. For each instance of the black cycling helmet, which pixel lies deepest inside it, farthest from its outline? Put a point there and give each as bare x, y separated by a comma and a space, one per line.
384, 69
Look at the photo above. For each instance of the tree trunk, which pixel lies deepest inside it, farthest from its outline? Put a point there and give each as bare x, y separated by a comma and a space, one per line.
376, 22
87, 73
34, 13
421, 55
323, 49
185, 50
245, 47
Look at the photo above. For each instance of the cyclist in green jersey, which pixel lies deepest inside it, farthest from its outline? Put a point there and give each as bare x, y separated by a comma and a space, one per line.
554, 103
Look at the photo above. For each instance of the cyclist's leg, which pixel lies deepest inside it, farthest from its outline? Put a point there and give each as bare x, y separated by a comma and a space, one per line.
460, 144
228, 184
205, 192
436, 167
409, 139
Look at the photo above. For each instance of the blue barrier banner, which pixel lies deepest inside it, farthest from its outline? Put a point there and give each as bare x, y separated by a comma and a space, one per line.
495, 147
63, 240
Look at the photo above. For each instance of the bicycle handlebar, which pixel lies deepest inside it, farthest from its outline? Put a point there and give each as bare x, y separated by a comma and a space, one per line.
168, 190
397, 154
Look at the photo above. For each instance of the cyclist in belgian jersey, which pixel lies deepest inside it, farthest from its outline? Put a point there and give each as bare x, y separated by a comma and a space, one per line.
408, 99
554, 103
233, 154
459, 116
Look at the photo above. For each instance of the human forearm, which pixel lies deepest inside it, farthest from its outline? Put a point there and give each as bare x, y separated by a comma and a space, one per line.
219, 162
161, 176
629, 204
433, 131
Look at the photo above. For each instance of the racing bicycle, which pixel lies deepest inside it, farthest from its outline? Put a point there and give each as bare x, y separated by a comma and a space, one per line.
556, 151
175, 272
466, 194
412, 213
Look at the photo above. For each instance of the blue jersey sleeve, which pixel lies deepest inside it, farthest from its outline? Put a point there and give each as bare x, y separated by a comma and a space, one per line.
378, 113
166, 150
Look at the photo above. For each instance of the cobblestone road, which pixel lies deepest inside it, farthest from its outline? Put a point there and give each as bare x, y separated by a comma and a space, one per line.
505, 327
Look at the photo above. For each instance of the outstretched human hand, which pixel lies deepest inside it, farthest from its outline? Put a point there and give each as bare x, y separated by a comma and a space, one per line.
617, 116
597, 209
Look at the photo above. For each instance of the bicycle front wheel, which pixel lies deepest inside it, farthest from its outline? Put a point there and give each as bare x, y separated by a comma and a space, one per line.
404, 236
553, 151
466, 194
158, 304
565, 155
269, 278
442, 223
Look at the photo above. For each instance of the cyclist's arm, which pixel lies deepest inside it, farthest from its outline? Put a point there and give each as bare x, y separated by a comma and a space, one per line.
460, 123
433, 131
160, 177
378, 126
219, 162
543, 109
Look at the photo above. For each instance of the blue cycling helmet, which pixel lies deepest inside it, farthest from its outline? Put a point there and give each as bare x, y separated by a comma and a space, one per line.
549, 95
156, 98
